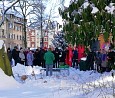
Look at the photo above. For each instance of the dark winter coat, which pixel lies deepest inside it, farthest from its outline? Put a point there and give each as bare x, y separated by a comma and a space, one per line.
62, 56
91, 56
42, 52
98, 58
75, 54
15, 55
111, 56
37, 58
56, 53
9, 53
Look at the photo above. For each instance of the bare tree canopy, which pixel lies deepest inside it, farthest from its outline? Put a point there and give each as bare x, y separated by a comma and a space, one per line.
5, 10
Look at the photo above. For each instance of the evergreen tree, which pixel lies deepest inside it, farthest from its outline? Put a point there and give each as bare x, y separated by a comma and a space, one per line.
84, 25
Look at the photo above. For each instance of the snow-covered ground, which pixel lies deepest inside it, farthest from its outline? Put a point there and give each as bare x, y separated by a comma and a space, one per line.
79, 84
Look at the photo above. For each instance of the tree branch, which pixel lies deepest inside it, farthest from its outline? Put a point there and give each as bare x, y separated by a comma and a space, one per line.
2, 21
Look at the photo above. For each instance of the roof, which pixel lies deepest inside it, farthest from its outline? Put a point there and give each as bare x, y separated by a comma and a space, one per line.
15, 13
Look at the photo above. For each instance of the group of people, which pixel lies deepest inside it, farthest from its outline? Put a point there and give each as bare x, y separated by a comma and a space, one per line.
50, 58
101, 60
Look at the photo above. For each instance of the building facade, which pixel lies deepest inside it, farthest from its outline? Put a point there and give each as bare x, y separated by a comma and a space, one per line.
31, 38
46, 38
34, 38
12, 29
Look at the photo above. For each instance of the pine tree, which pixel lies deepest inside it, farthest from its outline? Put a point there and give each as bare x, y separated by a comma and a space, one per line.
83, 26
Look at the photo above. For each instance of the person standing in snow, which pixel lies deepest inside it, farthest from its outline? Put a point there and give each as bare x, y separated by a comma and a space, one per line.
15, 55
75, 57
22, 57
56, 54
9, 53
104, 61
30, 58
36, 61
49, 58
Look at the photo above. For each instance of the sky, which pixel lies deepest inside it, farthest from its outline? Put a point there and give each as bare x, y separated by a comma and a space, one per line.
56, 4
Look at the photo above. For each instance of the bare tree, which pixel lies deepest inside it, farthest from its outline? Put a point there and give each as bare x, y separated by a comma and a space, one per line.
34, 8
25, 7
43, 19
5, 10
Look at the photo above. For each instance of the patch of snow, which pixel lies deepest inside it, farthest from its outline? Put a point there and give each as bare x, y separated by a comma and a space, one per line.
85, 5
95, 10
7, 82
79, 84
1, 44
110, 9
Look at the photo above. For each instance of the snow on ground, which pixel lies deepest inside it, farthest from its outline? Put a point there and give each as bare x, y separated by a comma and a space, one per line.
7, 82
79, 84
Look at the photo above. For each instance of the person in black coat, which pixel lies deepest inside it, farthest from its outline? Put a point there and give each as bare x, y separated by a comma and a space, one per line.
90, 60
75, 58
42, 52
15, 55
37, 58
98, 60
9, 53
62, 57
56, 54
111, 58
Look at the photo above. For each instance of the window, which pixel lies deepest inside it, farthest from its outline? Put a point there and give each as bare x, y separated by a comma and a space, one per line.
10, 15
46, 34
45, 39
9, 35
33, 45
10, 25
45, 45
14, 36
20, 37
14, 27
20, 28
2, 32
33, 33
17, 37
3, 35
20, 19
33, 39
